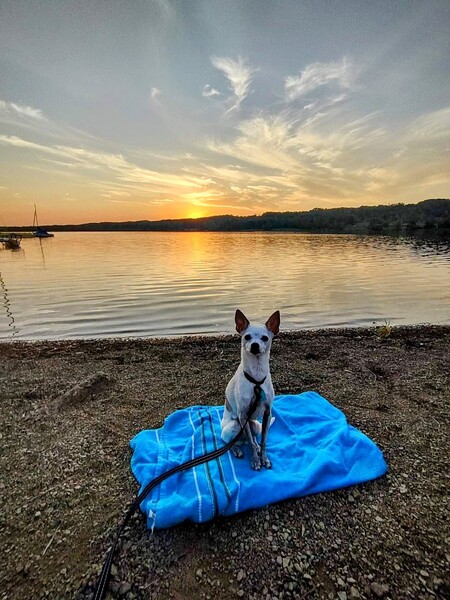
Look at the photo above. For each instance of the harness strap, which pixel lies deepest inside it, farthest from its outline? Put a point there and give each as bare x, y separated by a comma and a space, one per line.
252, 380
257, 389
102, 582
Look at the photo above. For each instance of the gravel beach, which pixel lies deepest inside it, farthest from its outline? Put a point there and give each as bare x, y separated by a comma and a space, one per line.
69, 409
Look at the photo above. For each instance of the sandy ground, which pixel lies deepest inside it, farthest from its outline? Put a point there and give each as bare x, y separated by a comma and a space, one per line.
65, 478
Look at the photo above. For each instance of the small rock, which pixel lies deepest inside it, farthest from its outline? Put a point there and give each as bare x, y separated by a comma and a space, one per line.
240, 575
379, 589
354, 594
342, 595
124, 588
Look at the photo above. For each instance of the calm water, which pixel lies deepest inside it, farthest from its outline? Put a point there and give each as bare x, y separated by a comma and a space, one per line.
162, 284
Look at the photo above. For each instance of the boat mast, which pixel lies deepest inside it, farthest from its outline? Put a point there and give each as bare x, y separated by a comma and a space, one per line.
35, 218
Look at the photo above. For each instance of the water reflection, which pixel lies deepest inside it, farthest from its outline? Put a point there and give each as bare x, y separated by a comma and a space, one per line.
428, 246
7, 306
42, 253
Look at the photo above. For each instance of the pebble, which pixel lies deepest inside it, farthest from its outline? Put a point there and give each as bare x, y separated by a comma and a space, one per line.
124, 588
379, 589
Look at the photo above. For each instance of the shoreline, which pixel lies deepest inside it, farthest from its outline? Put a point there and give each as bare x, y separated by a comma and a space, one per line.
320, 330
66, 477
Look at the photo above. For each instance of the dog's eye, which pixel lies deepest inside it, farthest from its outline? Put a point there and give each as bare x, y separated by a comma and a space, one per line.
247, 337
264, 338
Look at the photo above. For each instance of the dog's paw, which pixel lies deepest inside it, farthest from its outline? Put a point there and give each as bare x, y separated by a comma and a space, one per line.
256, 463
265, 461
237, 451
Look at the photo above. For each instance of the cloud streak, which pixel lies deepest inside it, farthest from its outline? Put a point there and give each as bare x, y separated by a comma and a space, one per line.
111, 167
209, 91
239, 76
11, 111
317, 75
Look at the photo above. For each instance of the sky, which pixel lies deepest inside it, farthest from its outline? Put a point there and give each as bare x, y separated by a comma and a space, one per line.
113, 111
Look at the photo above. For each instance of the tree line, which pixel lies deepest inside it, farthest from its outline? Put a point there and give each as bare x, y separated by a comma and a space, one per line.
433, 214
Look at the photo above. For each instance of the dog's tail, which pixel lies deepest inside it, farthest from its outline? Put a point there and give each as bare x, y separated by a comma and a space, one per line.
257, 427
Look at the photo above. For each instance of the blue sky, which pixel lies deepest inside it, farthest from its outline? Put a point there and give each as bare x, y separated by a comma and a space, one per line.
146, 110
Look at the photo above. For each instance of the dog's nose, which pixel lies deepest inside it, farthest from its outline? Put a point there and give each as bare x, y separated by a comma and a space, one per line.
254, 348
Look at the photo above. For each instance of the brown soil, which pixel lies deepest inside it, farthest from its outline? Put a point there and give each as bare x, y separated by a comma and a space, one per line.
65, 478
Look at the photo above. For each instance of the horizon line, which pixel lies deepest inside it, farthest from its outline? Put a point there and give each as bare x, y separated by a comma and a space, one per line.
191, 219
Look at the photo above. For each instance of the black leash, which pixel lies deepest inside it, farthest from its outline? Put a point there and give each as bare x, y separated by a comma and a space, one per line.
102, 582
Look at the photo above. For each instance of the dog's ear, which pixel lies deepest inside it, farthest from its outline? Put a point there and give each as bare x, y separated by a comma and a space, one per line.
273, 322
241, 321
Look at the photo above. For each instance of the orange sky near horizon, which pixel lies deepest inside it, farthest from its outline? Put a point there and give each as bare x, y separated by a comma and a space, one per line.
15, 215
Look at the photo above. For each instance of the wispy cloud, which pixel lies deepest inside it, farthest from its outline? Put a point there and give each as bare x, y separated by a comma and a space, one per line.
29, 118
154, 92
111, 166
434, 125
13, 140
239, 76
209, 91
11, 109
317, 75
331, 155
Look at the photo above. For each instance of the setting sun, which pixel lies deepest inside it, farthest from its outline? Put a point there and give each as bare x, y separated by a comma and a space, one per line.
195, 214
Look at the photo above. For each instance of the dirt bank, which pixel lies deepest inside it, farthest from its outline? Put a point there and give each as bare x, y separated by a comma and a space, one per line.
65, 476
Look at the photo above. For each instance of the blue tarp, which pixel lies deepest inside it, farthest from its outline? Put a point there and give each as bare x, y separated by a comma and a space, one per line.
311, 446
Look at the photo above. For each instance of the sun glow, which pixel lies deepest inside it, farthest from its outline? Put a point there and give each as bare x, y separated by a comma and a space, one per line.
195, 214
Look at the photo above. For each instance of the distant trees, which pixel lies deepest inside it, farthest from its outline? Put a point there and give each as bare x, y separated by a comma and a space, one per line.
389, 219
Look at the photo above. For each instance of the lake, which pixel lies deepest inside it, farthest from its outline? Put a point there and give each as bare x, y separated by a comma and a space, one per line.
122, 284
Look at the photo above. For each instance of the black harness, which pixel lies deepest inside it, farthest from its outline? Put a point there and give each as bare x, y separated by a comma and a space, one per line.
102, 582
257, 389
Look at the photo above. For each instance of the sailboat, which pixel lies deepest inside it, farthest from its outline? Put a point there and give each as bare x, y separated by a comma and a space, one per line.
40, 231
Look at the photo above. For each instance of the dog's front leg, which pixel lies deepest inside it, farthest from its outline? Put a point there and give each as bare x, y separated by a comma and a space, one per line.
256, 461
265, 430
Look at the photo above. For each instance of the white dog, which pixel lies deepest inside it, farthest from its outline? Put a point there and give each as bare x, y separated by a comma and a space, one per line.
252, 377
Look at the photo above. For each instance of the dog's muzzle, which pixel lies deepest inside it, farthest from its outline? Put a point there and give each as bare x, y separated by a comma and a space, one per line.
254, 348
